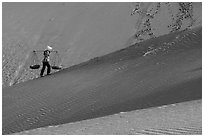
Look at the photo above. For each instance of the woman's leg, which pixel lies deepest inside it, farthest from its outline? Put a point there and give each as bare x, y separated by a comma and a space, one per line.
48, 68
43, 69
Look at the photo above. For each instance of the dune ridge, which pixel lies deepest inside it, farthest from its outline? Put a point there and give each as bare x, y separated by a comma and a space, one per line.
122, 81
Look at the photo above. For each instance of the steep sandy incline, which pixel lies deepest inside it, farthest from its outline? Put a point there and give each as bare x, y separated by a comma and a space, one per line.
155, 72
81, 31
175, 119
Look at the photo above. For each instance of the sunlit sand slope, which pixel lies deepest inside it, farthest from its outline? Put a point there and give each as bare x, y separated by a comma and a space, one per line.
175, 119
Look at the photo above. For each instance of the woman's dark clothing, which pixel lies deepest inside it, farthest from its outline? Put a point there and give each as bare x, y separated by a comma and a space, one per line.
46, 63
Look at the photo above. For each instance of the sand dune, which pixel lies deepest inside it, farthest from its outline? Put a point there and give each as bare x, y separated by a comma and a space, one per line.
125, 80
80, 31
163, 120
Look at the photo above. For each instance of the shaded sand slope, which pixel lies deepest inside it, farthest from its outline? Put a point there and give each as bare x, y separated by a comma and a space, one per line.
183, 118
156, 72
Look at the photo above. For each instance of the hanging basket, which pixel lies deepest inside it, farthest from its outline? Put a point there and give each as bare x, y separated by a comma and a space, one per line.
56, 67
35, 66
